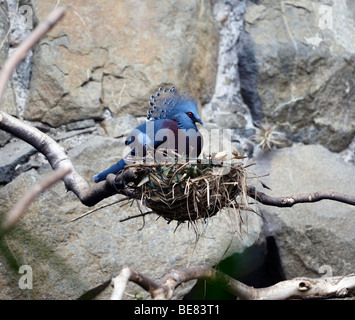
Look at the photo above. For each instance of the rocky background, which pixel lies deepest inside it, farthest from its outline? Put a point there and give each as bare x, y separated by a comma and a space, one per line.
286, 64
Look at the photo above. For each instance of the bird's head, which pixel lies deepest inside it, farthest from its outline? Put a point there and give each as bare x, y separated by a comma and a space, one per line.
169, 104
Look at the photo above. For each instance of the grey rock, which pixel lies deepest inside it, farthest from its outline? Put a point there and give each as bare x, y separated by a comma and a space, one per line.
8, 99
79, 71
248, 76
20, 28
348, 155
305, 55
83, 124
226, 107
12, 155
4, 138
313, 235
120, 126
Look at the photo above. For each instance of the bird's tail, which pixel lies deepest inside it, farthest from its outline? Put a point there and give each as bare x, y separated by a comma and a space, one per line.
113, 169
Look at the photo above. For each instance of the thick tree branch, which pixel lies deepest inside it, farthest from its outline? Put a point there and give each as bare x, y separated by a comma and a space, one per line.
289, 201
57, 157
119, 284
297, 288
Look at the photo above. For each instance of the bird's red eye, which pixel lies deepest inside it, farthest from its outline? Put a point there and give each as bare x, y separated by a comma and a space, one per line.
190, 114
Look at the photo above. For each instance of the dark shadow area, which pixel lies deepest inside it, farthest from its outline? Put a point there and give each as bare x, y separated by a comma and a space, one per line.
257, 266
248, 76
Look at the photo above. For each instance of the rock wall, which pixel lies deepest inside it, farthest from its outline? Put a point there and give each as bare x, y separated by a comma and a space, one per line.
108, 58
305, 54
312, 238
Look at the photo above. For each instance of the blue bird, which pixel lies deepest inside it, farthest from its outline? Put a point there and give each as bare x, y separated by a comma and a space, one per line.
171, 125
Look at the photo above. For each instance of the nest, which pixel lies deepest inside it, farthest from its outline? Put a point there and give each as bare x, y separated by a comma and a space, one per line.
190, 190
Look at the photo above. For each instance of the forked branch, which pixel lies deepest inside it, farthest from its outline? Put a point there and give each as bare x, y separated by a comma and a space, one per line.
297, 288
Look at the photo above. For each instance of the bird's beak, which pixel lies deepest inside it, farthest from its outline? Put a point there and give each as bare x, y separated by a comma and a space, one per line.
200, 121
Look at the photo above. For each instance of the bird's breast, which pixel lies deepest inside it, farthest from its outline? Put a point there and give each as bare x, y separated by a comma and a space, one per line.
183, 141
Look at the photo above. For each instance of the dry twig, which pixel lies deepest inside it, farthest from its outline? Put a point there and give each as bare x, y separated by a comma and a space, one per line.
289, 201
297, 288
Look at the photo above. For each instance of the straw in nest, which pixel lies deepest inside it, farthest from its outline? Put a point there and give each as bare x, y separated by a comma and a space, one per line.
190, 190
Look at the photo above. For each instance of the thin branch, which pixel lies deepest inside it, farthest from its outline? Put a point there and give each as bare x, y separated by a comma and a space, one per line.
297, 288
99, 208
289, 201
19, 209
143, 214
89, 195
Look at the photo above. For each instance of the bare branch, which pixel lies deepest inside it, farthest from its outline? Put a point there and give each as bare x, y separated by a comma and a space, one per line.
98, 208
298, 288
299, 198
129, 274
305, 288
119, 283
89, 195
19, 209
209, 274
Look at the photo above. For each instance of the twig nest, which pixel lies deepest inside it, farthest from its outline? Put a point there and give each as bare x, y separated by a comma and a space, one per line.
190, 190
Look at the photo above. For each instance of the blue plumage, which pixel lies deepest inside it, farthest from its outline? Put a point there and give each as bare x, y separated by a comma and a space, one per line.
171, 125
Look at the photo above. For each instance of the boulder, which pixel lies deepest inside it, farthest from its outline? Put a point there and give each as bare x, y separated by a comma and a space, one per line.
12, 155
305, 55
313, 237
120, 126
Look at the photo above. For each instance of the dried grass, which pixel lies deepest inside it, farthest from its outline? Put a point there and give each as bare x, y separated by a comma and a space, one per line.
190, 190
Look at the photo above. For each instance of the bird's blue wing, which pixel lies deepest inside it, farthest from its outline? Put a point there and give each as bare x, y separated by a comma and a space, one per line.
137, 140
160, 132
